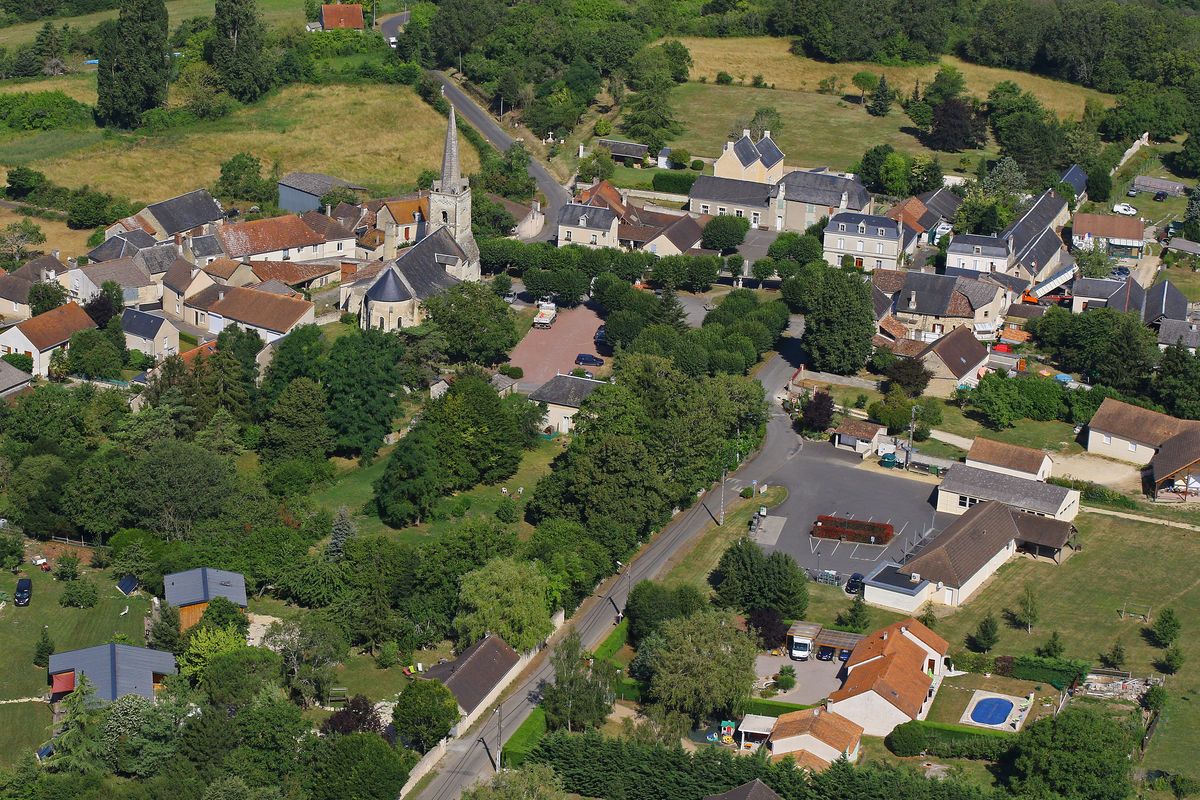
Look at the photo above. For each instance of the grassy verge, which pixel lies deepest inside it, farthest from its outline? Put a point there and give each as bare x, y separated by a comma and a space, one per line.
1053, 436
614, 642
24, 727
1120, 561
524, 739
826, 602
69, 628
1186, 280
933, 447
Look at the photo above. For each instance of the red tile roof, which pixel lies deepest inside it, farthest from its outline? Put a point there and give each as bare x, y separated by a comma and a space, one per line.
239, 239
342, 15
55, 326
890, 664
291, 272
1107, 226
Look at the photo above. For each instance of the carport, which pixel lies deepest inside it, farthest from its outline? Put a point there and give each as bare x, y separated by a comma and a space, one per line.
757, 727
839, 640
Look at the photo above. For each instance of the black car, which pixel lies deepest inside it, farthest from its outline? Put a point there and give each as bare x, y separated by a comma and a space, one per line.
825, 653
24, 592
854, 584
589, 360
1160, 197
600, 338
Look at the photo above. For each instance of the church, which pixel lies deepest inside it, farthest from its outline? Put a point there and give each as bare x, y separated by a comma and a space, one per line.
391, 296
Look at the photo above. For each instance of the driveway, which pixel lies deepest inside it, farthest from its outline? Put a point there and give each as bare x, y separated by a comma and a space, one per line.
391, 26
814, 679
542, 354
755, 245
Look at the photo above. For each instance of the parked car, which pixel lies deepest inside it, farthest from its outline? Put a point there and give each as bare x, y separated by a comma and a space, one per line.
510, 296
599, 337
854, 585
844, 654
1132, 192
1125, 209
1160, 197
825, 653
24, 592
589, 360
1119, 273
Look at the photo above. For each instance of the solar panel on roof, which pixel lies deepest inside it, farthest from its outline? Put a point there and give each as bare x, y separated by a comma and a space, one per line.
128, 585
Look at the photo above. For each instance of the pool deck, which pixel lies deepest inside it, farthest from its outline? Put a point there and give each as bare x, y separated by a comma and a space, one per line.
1016, 717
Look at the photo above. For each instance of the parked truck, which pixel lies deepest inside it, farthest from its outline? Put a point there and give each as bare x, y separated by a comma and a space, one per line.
800, 639
546, 314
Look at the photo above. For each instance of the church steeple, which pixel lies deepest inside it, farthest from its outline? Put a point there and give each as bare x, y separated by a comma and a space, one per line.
451, 176
450, 205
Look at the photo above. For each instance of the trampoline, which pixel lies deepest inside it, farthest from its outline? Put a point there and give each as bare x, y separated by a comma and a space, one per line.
991, 711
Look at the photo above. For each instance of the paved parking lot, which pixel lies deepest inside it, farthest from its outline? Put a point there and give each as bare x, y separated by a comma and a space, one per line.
814, 679
542, 354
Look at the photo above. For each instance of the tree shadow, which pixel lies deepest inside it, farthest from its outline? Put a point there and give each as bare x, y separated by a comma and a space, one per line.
1012, 620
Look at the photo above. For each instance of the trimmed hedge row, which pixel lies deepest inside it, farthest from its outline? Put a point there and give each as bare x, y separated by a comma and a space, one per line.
948, 741
674, 182
771, 708
1058, 672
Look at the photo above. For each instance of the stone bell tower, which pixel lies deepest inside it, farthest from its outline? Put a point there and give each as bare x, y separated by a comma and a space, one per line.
450, 205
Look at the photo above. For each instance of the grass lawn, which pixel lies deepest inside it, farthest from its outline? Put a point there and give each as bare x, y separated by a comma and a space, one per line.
524, 738
980, 773
1185, 280
826, 602
1147, 161
300, 127
745, 57
24, 727
70, 628
955, 694
937, 449
1053, 436
274, 13
1120, 561
637, 178
334, 331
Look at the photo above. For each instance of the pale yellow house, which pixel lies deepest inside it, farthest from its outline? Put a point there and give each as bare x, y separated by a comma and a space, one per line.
747, 160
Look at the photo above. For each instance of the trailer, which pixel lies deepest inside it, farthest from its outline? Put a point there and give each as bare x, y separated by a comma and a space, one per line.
546, 314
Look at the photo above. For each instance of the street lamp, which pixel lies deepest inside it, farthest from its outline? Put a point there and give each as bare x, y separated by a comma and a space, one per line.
499, 712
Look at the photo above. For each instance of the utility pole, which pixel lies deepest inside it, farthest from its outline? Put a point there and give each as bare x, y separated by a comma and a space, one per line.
722, 521
912, 422
499, 712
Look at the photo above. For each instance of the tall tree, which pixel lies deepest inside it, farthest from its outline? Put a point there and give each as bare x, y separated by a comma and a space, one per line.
297, 355
1027, 608
46, 296
648, 117
530, 782
342, 531
840, 324
297, 427
77, 747
478, 325
134, 64
582, 693
238, 49
508, 598
424, 714
360, 381
705, 666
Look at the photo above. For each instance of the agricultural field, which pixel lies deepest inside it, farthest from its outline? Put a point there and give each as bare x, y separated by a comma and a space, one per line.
58, 236
745, 57
396, 136
79, 86
1120, 561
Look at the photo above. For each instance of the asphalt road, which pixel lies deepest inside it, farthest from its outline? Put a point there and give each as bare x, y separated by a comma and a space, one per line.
556, 195
390, 27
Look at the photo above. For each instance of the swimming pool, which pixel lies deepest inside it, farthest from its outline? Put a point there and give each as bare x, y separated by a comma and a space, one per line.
991, 711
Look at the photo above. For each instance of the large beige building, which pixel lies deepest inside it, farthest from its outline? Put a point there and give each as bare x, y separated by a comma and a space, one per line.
748, 160
1131, 433
587, 226
871, 242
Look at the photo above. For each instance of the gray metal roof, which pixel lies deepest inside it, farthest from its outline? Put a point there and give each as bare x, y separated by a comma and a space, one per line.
565, 390
1164, 301
203, 584
824, 189
12, 378
314, 183
116, 670
1042, 498
729, 190
140, 324
1170, 331
1076, 178
1148, 183
185, 212
624, 149
578, 215
871, 222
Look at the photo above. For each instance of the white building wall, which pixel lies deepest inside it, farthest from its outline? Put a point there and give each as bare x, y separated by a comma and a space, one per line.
1041, 475
810, 743
899, 601
876, 716
1113, 446
972, 584
13, 341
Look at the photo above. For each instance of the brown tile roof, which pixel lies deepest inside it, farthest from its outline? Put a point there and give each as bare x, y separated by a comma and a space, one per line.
1136, 423
405, 210
223, 268
1176, 454
684, 233
959, 305
55, 326
807, 761
266, 310
207, 349
603, 194
329, 228
240, 239
291, 272
909, 213
473, 675
342, 15
895, 327
372, 239
887, 639
859, 428
1002, 454
889, 281
1107, 226
829, 727
957, 553
637, 233
1045, 531
179, 275
959, 350
137, 223
207, 297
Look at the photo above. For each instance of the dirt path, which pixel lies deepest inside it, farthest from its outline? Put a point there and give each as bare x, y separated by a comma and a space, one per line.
1113, 474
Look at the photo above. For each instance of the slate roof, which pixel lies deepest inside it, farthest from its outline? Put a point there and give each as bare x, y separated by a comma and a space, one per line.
1164, 301
881, 301
565, 390
957, 553
590, 217
123, 244
475, 673
1023, 493
942, 202
1135, 423
1095, 288
824, 189
965, 243
140, 324
1176, 454
116, 670
389, 288
12, 378
203, 584
157, 259
684, 233
943, 295
274, 287
1179, 331
764, 151
314, 183
1014, 283
959, 350
871, 222
179, 276
1038, 218
55, 326
14, 286
624, 149
185, 212
240, 239
422, 267
124, 271
265, 310
729, 190
1076, 178
1003, 454
1043, 531
1040, 252
1182, 245
1025, 311
754, 790
207, 246
342, 15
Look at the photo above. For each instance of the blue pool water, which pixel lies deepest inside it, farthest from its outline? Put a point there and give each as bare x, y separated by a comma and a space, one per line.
991, 711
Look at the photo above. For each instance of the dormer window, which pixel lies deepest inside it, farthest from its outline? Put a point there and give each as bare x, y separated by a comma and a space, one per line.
881, 233
978, 249
862, 228
842, 226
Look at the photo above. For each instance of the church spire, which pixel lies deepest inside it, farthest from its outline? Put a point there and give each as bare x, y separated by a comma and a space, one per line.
450, 175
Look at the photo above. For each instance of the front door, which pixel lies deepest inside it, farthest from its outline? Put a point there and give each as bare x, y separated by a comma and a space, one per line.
779, 222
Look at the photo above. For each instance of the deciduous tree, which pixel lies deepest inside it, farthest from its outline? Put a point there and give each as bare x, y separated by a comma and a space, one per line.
424, 714
706, 666
508, 598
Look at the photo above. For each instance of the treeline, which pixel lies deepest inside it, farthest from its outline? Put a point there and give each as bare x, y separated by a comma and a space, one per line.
14, 12
86, 208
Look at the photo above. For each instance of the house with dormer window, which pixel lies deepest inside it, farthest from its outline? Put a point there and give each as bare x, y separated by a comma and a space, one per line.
872, 241
589, 226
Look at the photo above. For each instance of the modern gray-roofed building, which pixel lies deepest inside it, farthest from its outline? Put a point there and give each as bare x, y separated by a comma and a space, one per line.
115, 670
1152, 185
123, 245
191, 213
1031, 246
873, 242
192, 590
149, 333
1181, 245
12, 380
477, 676
587, 225
748, 160
965, 486
1077, 179
1179, 331
392, 296
302, 191
563, 396
1164, 301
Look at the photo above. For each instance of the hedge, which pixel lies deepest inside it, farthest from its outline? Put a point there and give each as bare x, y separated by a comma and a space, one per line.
1095, 493
948, 741
772, 708
1058, 672
674, 182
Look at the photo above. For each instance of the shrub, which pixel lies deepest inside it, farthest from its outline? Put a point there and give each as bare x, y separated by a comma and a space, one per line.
79, 593
20, 361
680, 158
603, 127
1058, 672
907, 740
511, 371
507, 511
697, 164
978, 663
724, 78
747, 492
673, 182
348, 319
1095, 493
786, 680
388, 655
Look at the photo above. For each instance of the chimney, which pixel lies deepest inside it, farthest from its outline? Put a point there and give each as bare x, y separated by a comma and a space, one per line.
746, 132
912, 299
766, 135
55, 254
884, 636
328, 210
845, 200
221, 294
915, 577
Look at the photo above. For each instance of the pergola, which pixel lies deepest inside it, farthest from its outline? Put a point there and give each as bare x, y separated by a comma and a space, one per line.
1175, 468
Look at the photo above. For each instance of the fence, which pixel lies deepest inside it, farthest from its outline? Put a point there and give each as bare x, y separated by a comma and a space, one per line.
1138, 144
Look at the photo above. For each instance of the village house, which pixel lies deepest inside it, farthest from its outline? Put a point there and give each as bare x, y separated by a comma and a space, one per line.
38, 337
285, 238
799, 199
338, 240
1030, 247
402, 223
873, 242
891, 677
1179, 331
12, 380
342, 16
955, 563
964, 486
271, 316
929, 305
1131, 433
815, 738
191, 591
15, 285
632, 154
748, 160
588, 226
956, 359
563, 396
529, 216
228, 272
114, 670
858, 436
477, 677
930, 214
149, 334
1009, 459
306, 275
181, 281
137, 286
192, 213
1175, 468
657, 232
302, 191
1077, 179
1119, 237
123, 245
